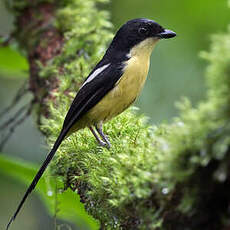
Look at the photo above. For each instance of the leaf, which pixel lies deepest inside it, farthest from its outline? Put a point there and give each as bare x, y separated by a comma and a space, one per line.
67, 203
12, 64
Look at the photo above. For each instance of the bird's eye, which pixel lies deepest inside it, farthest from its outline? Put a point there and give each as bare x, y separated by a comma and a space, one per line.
143, 31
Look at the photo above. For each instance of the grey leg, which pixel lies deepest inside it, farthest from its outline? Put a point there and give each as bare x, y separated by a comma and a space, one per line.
100, 142
103, 136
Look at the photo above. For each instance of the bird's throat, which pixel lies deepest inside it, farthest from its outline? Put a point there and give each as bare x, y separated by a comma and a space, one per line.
144, 48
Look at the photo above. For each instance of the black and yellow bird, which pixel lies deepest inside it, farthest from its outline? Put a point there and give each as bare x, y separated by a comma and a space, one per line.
111, 87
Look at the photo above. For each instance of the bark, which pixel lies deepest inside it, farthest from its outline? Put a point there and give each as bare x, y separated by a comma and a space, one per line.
37, 35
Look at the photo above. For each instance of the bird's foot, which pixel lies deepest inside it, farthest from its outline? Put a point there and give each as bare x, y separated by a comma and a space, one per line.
105, 142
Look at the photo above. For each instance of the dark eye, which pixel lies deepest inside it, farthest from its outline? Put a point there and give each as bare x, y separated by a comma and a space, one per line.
143, 31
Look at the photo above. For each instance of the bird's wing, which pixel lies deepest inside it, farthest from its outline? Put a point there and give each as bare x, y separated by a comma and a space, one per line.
96, 86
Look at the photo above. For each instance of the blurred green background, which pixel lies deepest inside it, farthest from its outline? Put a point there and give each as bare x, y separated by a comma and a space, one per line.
176, 71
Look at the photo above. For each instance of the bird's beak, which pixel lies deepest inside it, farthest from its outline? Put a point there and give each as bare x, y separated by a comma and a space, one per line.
166, 34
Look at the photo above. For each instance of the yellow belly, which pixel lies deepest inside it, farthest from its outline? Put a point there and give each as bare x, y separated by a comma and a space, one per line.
123, 94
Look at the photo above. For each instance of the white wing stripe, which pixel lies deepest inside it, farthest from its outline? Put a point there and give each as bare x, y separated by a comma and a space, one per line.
95, 73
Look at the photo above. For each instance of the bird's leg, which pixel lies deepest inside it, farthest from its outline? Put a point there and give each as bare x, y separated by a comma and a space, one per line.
100, 142
103, 136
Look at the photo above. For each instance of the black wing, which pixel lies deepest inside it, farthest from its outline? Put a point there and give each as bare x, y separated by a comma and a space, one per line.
92, 92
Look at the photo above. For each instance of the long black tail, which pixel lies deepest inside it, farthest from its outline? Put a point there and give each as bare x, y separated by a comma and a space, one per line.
39, 174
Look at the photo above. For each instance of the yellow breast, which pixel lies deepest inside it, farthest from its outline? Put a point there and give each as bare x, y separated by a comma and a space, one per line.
127, 88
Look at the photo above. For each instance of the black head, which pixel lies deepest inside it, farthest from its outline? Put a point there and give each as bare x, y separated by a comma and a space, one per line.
136, 31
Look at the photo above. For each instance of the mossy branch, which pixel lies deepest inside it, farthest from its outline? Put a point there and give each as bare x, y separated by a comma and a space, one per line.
174, 176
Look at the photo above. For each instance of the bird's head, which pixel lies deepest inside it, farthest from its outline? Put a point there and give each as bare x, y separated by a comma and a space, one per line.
142, 32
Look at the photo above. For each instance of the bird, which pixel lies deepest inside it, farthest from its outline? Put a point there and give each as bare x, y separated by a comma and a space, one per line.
110, 88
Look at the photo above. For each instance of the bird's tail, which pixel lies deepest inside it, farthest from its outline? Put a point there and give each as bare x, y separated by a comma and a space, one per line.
39, 174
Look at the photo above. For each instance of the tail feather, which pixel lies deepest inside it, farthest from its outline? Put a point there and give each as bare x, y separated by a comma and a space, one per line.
39, 174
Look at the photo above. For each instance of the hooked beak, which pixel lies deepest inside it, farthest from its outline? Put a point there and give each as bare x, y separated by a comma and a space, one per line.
166, 34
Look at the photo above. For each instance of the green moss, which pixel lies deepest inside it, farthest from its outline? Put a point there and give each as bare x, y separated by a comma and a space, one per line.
114, 178
199, 128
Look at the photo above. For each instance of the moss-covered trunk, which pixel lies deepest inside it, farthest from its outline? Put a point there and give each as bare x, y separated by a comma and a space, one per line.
38, 37
174, 176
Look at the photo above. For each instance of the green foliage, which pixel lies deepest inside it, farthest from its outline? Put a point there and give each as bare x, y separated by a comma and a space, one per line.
201, 129
65, 205
18, 67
